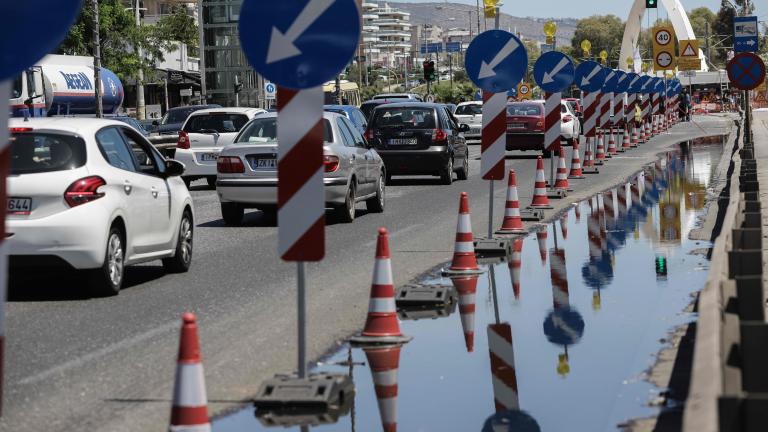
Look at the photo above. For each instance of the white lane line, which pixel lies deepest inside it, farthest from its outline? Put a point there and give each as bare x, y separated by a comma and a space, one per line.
394, 234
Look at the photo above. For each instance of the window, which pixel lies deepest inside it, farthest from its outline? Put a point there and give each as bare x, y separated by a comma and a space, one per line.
360, 118
346, 135
147, 161
469, 110
264, 130
358, 139
16, 92
409, 117
114, 149
215, 122
45, 152
524, 109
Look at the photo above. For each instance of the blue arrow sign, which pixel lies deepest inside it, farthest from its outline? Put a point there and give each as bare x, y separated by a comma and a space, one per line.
745, 34
658, 85
496, 61
299, 44
564, 326
31, 29
635, 82
590, 76
622, 82
554, 72
611, 80
646, 84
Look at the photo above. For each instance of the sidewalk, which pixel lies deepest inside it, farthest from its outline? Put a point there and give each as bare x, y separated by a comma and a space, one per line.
760, 131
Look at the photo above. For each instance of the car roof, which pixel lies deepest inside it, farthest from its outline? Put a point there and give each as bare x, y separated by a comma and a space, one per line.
470, 103
228, 110
340, 107
414, 104
194, 107
385, 95
326, 114
76, 125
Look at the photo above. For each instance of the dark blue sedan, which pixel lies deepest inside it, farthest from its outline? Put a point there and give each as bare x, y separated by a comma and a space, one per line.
352, 113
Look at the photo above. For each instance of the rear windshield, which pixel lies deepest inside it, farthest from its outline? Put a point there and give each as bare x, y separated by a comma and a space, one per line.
45, 152
524, 109
210, 123
469, 110
264, 130
409, 117
177, 115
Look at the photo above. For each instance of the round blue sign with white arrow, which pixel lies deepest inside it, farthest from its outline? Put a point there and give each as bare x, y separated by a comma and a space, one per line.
611, 80
554, 72
590, 76
646, 84
511, 421
299, 44
31, 29
658, 85
622, 82
496, 61
634, 83
564, 326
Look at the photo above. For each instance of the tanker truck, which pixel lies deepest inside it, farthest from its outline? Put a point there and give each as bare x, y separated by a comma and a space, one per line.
63, 85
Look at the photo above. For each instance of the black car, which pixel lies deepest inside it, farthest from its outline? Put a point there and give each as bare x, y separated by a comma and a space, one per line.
416, 138
367, 107
174, 118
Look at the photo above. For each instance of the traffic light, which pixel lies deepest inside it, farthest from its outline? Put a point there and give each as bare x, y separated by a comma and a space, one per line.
651, 4
429, 70
238, 85
661, 266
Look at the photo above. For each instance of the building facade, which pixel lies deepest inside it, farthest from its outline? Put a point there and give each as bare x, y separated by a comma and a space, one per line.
386, 38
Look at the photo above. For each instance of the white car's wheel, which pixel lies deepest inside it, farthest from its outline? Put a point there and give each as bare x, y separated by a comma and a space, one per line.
182, 259
108, 279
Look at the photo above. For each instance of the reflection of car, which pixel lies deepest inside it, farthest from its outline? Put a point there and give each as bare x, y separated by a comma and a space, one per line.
391, 96
247, 169
525, 126
204, 134
353, 114
416, 138
95, 195
174, 118
133, 122
471, 113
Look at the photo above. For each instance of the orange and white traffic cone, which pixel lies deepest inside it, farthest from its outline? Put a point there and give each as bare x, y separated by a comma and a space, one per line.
189, 412
381, 325
540, 199
635, 138
612, 150
588, 167
625, 144
385, 362
541, 237
515, 265
561, 175
466, 286
464, 259
600, 152
513, 223
575, 162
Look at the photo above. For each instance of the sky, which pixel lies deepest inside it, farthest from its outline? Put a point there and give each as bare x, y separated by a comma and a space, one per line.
577, 8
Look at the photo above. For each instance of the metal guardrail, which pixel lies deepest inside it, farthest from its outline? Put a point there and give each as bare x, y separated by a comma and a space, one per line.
729, 374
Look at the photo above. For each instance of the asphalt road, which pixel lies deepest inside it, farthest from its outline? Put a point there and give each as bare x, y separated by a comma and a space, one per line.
77, 363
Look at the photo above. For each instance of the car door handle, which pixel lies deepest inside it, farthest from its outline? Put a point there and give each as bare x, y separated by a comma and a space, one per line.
154, 192
127, 187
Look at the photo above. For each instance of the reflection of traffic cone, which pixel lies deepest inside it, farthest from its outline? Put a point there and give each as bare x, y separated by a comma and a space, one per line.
540, 199
464, 260
515, 265
541, 237
384, 362
600, 152
575, 162
189, 412
564, 225
381, 326
577, 212
466, 286
561, 176
625, 145
512, 223
504, 377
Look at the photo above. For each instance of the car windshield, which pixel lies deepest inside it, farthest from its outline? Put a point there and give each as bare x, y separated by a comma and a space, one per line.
264, 130
525, 109
405, 117
45, 152
215, 123
16, 92
471, 109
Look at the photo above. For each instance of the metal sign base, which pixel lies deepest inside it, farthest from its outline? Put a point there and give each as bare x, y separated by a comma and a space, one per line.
320, 391
558, 193
532, 214
360, 340
493, 246
418, 312
417, 294
457, 273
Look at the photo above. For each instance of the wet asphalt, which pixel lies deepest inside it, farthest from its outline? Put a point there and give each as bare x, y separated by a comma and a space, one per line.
74, 362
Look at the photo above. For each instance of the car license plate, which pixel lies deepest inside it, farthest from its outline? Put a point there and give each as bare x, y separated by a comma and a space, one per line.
208, 157
517, 125
403, 141
262, 164
22, 206
474, 130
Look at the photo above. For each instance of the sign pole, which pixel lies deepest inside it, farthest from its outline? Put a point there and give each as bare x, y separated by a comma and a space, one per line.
302, 322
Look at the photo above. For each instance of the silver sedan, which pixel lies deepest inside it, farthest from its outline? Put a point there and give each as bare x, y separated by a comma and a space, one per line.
247, 170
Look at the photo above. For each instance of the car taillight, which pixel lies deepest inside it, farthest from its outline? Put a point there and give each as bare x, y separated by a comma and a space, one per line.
567, 119
84, 191
229, 165
369, 134
20, 129
331, 163
183, 142
439, 135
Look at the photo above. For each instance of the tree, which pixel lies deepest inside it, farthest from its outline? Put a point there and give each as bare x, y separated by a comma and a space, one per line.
179, 27
723, 28
699, 18
605, 32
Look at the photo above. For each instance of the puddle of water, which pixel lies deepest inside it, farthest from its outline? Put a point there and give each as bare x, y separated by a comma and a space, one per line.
563, 341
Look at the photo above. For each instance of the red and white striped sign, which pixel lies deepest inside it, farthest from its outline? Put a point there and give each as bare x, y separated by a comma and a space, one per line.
593, 230
629, 111
557, 272
605, 110
504, 376
494, 136
552, 121
591, 113
5, 93
300, 190
618, 108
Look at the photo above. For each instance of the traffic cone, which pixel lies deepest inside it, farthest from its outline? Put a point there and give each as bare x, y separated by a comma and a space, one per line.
625, 144
575, 162
600, 152
564, 225
515, 265
385, 362
381, 326
464, 260
635, 138
655, 125
589, 161
466, 286
513, 223
612, 150
541, 237
540, 199
561, 175
189, 412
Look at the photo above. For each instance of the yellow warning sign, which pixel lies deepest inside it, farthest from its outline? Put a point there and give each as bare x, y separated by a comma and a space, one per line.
689, 55
663, 48
524, 91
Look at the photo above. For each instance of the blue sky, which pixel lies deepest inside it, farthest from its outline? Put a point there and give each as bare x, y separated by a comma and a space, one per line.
578, 8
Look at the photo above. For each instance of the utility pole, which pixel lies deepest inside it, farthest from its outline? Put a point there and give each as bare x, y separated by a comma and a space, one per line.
706, 42
140, 108
97, 60
477, 11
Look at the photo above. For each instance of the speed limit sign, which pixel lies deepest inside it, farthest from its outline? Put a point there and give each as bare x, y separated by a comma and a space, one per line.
663, 37
664, 47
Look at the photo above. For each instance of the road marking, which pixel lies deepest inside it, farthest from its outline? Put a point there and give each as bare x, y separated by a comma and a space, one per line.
395, 234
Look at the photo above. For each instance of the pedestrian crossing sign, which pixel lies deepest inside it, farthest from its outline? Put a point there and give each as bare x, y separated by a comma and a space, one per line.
689, 55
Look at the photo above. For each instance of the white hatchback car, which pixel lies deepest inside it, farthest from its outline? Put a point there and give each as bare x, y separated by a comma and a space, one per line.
204, 134
471, 113
95, 195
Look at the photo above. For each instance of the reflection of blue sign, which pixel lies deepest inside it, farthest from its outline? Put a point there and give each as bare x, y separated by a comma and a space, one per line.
434, 47
496, 61
597, 272
511, 421
299, 44
21, 45
453, 46
564, 326
622, 82
590, 76
611, 79
554, 72
745, 34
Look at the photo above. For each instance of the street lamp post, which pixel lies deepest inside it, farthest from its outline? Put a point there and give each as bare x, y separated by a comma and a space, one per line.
140, 106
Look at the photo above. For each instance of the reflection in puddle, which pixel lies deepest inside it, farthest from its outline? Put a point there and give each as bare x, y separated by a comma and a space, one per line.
572, 321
